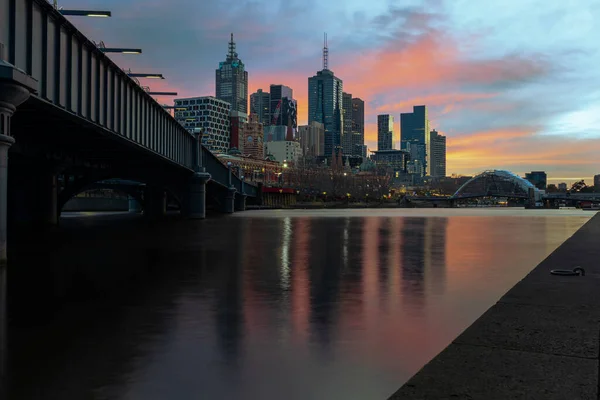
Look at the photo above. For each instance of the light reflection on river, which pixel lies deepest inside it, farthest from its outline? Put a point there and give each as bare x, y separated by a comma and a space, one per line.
275, 304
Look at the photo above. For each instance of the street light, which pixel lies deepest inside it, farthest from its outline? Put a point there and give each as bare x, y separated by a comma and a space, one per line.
229, 169
162, 93
198, 167
86, 13
123, 50
142, 75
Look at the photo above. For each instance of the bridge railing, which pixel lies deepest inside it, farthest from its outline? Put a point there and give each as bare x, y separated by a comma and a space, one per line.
220, 173
74, 75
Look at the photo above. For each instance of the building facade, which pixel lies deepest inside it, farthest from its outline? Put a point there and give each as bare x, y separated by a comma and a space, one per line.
385, 132
210, 114
251, 138
397, 160
597, 182
284, 151
260, 103
358, 128
236, 125
312, 139
414, 137
347, 127
538, 178
325, 105
438, 154
231, 81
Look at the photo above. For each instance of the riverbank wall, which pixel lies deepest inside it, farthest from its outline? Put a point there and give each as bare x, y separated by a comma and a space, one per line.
541, 340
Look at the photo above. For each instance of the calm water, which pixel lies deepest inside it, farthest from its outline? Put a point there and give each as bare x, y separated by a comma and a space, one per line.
344, 304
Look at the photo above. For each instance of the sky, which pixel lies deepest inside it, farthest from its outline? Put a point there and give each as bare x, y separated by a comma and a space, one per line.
513, 84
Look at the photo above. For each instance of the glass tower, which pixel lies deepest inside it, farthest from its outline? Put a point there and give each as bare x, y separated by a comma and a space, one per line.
325, 105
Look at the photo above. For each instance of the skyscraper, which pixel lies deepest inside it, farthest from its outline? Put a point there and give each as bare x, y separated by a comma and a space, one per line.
438, 154
325, 103
538, 178
232, 81
414, 138
385, 132
312, 139
347, 132
358, 127
283, 108
259, 105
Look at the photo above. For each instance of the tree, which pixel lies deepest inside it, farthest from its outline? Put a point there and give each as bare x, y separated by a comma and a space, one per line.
551, 188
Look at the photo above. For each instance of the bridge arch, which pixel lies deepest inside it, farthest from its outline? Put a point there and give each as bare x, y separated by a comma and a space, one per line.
495, 183
134, 188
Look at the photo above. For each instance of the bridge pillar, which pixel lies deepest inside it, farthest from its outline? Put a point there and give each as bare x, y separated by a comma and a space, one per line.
229, 203
48, 200
240, 202
15, 88
134, 206
156, 202
196, 202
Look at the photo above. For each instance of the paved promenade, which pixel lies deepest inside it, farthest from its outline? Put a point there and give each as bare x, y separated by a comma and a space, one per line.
540, 341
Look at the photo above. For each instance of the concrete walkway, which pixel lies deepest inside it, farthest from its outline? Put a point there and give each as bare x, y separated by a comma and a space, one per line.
540, 341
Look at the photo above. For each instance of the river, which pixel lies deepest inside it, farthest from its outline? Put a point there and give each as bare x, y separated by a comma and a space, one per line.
295, 304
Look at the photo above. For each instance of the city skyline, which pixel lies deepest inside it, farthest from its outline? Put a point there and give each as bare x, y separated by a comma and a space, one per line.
509, 107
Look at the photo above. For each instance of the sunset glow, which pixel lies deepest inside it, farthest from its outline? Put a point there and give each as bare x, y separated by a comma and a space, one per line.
510, 87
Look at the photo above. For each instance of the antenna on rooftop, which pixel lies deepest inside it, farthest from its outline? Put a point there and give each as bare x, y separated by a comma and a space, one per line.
325, 53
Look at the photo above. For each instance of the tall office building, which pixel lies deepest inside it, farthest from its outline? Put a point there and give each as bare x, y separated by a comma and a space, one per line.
385, 132
438, 154
538, 178
414, 138
347, 131
358, 127
232, 81
597, 182
312, 139
325, 104
283, 108
260, 104
209, 113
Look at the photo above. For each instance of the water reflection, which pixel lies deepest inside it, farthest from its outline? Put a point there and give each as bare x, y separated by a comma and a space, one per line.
290, 307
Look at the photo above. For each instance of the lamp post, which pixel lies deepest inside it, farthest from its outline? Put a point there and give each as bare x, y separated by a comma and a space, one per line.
162, 93
229, 173
86, 13
122, 50
145, 75
198, 167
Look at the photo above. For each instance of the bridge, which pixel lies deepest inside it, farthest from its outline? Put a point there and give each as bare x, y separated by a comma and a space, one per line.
69, 117
505, 184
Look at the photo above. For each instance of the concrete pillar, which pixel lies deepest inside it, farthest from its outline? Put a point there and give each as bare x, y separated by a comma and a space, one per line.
15, 88
156, 202
5, 143
196, 202
134, 206
229, 203
48, 200
240, 202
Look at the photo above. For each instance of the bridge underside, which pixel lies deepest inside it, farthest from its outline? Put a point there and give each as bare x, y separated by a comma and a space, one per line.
57, 154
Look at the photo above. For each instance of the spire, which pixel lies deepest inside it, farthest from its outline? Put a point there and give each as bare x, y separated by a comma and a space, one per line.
325, 52
232, 54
